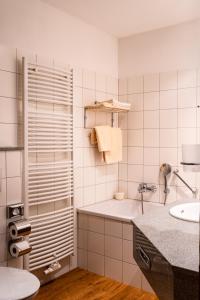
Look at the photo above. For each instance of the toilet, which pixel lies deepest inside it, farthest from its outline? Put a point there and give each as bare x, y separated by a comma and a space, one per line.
17, 284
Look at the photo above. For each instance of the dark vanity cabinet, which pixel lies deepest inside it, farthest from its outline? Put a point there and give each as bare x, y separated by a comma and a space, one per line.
168, 282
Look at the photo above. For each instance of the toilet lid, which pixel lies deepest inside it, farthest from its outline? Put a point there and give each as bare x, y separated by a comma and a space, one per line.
17, 284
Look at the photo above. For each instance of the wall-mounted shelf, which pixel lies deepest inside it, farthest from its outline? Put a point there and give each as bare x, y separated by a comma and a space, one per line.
17, 148
104, 107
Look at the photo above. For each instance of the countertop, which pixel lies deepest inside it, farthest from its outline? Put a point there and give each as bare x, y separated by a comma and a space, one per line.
176, 240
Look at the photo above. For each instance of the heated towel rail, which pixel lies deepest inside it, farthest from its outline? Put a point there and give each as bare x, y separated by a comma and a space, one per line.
48, 162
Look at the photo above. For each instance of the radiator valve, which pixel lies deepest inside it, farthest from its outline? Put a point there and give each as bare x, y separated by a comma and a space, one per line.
53, 267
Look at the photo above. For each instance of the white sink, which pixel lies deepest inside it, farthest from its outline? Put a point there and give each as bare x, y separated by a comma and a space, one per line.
187, 211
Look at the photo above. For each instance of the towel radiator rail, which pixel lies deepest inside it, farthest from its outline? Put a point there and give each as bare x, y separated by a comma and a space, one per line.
48, 163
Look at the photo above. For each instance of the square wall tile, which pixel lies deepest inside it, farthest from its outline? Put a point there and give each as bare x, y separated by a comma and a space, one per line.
168, 118
13, 163
135, 138
135, 155
151, 174
89, 79
168, 80
123, 171
187, 78
3, 164
111, 85
136, 101
187, 117
100, 82
123, 86
3, 192
82, 239
151, 101
78, 96
168, 99
8, 87
135, 84
2, 220
151, 156
100, 174
89, 196
113, 247
135, 173
151, 82
96, 224
127, 231
128, 252
187, 97
123, 120
82, 259
113, 269
135, 120
78, 177
78, 76
89, 176
168, 138
151, 137
8, 135
96, 263
88, 99
8, 110
88, 157
14, 190
151, 119
96, 242
113, 228
82, 221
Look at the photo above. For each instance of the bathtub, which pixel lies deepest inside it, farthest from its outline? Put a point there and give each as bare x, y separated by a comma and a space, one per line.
105, 240
121, 210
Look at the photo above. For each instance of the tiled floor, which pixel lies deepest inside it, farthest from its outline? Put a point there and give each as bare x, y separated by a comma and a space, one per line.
83, 285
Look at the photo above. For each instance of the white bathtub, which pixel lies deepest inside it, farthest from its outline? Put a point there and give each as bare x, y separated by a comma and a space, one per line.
122, 210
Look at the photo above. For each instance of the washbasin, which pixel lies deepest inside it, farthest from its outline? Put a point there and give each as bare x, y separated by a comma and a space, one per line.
186, 211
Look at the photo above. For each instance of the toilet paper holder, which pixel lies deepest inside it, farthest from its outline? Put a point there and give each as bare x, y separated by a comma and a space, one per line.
19, 228
15, 211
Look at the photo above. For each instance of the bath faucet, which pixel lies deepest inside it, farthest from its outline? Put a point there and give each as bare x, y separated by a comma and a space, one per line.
144, 188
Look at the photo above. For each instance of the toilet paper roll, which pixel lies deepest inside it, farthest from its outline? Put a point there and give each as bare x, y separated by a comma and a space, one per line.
19, 228
20, 248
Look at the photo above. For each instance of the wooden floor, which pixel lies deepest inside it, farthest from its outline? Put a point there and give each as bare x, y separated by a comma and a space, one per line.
83, 285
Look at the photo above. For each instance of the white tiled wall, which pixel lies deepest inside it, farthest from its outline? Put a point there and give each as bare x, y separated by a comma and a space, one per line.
106, 247
94, 181
165, 114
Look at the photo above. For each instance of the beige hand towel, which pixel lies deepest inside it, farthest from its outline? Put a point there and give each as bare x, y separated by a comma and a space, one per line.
103, 136
115, 154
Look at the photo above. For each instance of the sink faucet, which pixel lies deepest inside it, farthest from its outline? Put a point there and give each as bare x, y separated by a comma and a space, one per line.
144, 188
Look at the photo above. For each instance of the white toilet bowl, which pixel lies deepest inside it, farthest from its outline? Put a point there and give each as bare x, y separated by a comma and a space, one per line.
17, 284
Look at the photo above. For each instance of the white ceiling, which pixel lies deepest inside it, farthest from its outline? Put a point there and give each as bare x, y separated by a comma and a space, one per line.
126, 17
